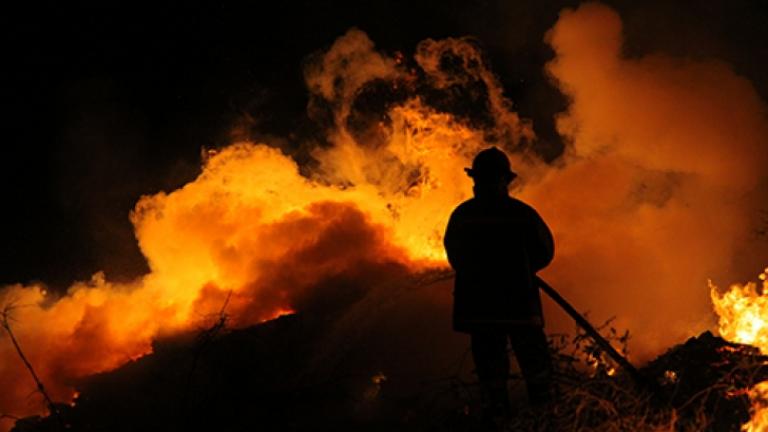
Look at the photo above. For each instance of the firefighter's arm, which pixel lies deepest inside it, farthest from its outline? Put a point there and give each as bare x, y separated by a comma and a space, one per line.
542, 244
451, 242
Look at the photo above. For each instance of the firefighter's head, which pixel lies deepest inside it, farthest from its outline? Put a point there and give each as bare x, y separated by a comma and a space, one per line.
491, 167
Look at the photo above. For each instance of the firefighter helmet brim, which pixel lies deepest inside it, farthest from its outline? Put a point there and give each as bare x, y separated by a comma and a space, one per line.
491, 164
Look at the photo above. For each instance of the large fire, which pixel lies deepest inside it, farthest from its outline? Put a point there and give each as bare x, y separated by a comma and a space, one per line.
743, 318
248, 213
654, 192
255, 234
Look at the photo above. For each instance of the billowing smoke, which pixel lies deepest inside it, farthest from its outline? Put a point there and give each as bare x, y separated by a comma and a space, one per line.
659, 187
655, 193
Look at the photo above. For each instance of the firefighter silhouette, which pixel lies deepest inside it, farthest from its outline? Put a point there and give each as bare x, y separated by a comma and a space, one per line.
496, 244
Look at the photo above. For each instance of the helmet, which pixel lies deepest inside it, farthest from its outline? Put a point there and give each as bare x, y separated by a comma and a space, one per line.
491, 164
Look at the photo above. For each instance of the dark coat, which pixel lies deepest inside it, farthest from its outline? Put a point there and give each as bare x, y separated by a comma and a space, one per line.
496, 247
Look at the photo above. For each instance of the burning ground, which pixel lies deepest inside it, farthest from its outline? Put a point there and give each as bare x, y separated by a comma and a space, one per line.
659, 190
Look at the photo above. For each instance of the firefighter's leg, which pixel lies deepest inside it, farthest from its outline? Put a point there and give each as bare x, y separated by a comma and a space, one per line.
530, 346
489, 351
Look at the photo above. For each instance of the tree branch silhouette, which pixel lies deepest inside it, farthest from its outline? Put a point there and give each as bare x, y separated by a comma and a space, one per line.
5, 321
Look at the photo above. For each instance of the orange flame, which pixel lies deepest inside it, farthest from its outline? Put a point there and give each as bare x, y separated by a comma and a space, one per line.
254, 234
759, 420
743, 313
743, 318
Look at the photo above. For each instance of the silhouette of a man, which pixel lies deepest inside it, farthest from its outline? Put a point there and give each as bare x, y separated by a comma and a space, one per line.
496, 244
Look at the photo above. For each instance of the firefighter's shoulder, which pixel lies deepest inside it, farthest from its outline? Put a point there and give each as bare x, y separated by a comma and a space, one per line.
467, 207
521, 208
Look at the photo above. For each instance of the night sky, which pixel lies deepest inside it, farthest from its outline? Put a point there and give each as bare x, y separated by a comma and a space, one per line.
107, 102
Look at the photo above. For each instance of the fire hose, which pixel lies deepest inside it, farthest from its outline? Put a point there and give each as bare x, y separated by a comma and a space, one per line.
591, 331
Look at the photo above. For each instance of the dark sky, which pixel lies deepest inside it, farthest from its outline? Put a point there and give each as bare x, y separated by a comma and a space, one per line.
110, 101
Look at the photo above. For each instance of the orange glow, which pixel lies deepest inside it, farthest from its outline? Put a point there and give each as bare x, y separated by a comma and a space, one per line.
281, 313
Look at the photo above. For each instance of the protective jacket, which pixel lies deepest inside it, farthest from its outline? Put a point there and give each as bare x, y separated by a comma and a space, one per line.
496, 246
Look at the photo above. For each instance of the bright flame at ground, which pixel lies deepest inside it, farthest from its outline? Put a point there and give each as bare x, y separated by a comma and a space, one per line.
743, 318
743, 313
759, 421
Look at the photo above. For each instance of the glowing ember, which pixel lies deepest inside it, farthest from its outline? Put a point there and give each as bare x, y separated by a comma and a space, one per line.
670, 377
281, 313
743, 318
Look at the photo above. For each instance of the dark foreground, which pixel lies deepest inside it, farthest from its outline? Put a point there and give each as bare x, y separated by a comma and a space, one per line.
278, 376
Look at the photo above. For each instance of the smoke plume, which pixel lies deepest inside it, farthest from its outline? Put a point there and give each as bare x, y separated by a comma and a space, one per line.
658, 189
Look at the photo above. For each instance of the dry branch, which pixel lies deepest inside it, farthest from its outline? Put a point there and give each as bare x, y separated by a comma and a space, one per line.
5, 321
